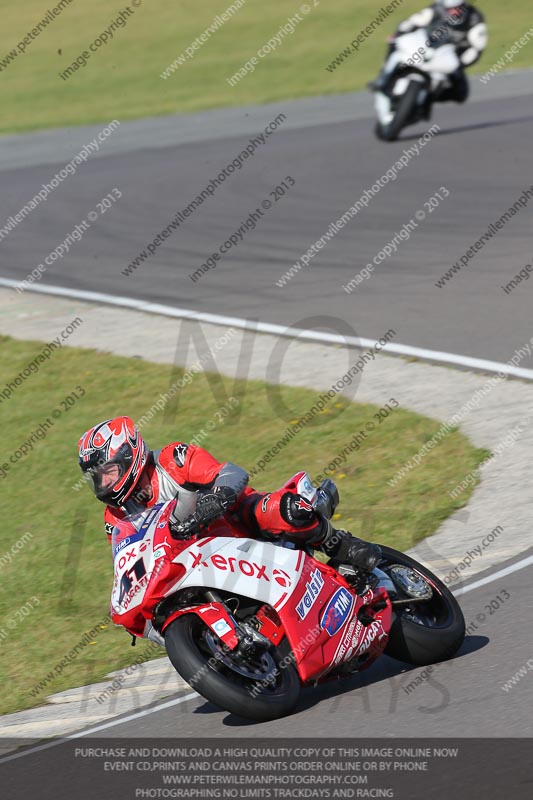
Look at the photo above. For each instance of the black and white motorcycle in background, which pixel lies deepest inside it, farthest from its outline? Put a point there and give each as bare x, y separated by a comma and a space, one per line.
416, 72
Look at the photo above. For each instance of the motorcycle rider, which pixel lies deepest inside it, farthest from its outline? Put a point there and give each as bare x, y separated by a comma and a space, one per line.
454, 21
128, 477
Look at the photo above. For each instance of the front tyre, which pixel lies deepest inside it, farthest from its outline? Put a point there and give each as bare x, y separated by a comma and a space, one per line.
402, 117
427, 631
258, 688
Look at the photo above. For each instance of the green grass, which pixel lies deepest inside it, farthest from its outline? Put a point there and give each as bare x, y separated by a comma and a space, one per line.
122, 79
67, 563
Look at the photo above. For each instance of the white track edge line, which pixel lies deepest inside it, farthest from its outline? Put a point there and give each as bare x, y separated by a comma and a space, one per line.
111, 724
277, 330
501, 573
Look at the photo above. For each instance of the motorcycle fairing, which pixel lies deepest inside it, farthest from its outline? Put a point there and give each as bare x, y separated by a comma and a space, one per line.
297, 587
142, 557
331, 632
215, 616
432, 67
250, 567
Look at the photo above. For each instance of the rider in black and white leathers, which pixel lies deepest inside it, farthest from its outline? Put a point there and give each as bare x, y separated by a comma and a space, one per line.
447, 20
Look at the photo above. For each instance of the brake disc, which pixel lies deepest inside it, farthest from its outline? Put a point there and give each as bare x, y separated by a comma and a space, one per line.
410, 582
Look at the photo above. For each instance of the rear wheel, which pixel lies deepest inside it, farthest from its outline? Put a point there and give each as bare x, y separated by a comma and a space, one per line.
431, 628
404, 112
257, 687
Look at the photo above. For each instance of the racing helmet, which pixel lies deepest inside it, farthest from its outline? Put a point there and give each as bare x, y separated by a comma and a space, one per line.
112, 456
452, 10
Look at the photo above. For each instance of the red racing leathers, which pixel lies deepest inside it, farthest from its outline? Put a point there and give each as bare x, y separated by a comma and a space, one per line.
182, 469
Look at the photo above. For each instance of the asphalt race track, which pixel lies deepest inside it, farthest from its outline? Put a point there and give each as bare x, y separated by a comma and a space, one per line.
481, 155
385, 707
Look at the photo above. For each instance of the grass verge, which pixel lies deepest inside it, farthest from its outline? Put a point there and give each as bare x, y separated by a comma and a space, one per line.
65, 560
121, 80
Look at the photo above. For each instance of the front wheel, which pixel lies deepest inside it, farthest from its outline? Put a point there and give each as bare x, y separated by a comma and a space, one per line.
403, 115
259, 687
432, 627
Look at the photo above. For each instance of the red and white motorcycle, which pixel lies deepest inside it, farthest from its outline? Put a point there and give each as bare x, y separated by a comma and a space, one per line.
248, 622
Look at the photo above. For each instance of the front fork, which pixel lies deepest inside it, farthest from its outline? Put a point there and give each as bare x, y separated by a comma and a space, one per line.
251, 642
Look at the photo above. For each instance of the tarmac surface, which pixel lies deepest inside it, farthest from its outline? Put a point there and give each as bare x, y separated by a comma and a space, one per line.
481, 156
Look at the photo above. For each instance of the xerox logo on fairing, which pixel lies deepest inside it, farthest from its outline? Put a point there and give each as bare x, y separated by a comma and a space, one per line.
281, 577
235, 565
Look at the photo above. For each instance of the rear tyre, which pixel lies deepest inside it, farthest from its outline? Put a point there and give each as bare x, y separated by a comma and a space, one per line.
424, 632
260, 688
404, 112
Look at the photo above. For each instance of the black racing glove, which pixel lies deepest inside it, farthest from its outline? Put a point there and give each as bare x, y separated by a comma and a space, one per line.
209, 506
226, 496
213, 504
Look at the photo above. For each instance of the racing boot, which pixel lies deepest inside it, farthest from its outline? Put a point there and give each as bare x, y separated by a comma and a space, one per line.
343, 548
293, 516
